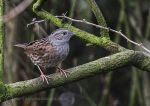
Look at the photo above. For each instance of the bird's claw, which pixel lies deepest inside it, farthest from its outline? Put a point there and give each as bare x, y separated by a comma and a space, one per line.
44, 78
63, 72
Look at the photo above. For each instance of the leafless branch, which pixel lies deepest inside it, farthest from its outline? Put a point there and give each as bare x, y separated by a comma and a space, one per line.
16, 11
108, 29
34, 21
37, 28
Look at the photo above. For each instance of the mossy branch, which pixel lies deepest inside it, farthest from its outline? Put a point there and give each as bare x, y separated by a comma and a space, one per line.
1, 39
90, 38
106, 64
99, 17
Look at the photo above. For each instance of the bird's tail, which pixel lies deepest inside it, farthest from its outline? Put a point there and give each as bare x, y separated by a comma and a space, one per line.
21, 45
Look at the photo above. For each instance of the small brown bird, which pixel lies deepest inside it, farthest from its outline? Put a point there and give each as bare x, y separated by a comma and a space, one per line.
49, 51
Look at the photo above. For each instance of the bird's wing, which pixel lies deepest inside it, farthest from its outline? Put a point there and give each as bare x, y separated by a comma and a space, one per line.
39, 48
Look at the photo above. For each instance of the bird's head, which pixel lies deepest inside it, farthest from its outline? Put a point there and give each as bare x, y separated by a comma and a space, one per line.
61, 36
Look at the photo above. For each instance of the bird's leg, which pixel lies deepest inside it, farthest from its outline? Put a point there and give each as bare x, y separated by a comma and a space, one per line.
63, 72
44, 77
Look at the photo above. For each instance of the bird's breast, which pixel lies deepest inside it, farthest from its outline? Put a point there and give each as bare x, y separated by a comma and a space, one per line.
63, 51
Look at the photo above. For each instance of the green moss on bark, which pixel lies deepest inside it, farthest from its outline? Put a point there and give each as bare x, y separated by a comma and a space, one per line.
1, 39
77, 73
99, 17
5, 92
90, 38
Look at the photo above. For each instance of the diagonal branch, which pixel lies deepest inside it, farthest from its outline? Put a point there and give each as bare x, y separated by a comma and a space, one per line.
99, 16
106, 64
90, 38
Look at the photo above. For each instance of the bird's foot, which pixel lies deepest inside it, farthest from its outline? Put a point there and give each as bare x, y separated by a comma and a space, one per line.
63, 72
44, 78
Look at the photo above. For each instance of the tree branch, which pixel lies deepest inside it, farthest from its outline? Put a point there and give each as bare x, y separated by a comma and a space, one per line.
90, 38
15, 11
107, 29
99, 16
1, 39
106, 64
104, 42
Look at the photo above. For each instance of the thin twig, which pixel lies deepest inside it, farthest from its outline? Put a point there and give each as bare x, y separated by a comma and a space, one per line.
34, 22
108, 29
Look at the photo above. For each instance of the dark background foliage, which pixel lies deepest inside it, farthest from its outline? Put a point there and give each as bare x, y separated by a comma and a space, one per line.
124, 87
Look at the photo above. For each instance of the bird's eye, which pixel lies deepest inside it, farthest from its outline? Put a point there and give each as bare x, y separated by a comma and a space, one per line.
64, 33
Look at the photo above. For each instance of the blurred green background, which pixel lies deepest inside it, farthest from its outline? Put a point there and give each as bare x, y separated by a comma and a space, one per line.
127, 86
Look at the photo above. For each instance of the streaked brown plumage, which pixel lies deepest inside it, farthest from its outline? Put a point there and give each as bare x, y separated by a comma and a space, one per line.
49, 51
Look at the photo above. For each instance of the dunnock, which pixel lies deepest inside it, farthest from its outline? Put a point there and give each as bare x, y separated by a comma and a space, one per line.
49, 51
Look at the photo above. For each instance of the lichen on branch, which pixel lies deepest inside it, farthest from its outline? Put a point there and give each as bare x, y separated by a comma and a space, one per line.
106, 64
1, 39
99, 17
104, 42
